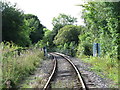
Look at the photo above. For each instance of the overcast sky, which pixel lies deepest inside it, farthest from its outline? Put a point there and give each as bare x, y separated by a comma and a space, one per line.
47, 9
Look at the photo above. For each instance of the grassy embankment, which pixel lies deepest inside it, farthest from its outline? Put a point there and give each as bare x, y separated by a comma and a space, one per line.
104, 66
14, 67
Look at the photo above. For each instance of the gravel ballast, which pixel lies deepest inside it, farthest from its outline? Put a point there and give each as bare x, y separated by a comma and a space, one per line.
42, 72
97, 80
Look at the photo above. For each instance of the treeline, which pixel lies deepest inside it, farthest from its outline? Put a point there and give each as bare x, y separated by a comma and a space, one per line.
20, 57
102, 21
63, 36
102, 26
22, 29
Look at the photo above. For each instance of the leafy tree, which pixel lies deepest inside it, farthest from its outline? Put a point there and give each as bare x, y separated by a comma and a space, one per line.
67, 34
36, 27
61, 21
13, 25
22, 29
67, 39
48, 38
102, 25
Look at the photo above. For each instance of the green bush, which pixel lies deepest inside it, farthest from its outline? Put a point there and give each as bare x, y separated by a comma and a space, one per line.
87, 49
84, 49
104, 66
15, 67
68, 49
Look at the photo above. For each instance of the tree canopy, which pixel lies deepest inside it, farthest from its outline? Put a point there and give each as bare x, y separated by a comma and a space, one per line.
12, 23
61, 20
18, 27
67, 34
36, 27
102, 25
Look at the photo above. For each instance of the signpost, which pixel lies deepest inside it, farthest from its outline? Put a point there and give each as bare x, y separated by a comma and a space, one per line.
96, 49
45, 51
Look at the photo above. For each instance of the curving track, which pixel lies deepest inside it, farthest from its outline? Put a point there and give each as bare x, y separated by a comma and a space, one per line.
64, 74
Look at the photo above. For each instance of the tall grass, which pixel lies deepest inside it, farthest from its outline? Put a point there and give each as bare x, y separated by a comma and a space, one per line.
104, 66
15, 67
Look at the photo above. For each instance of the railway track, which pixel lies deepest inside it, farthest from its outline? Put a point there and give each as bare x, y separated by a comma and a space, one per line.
64, 74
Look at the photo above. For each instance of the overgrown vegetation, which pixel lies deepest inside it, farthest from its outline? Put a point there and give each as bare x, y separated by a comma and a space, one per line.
102, 25
22, 29
16, 67
104, 66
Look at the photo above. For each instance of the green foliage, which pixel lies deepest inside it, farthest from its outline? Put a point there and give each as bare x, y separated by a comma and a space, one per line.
85, 43
48, 38
15, 67
109, 68
102, 23
36, 27
61, 21
102, 26
67, 34
68, 49
84, 49
13, 27
67, 39
58, 23
18, 27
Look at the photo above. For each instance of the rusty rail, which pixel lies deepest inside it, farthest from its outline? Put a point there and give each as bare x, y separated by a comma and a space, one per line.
84, 87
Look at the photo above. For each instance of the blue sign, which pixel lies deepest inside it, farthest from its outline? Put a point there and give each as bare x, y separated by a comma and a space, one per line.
96, 49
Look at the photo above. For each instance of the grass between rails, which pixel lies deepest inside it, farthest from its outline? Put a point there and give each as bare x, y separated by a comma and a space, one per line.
15, 68
104, 66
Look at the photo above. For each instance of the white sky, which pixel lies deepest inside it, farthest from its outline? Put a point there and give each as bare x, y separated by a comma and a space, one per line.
47, 9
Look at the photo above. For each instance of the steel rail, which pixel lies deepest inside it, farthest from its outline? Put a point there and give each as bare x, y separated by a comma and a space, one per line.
76, 70
52, 74
72, 64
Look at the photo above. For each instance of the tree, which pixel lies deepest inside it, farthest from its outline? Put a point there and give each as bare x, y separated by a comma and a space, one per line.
13, 25
36, 27
102, 25
67, 34
61, 21
48, 38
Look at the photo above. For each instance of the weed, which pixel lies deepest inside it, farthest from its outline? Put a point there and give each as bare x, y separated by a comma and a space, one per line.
104, 66
15, 68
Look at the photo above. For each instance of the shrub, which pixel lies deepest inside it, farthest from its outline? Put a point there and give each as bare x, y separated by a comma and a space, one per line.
84, 49
15, 68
